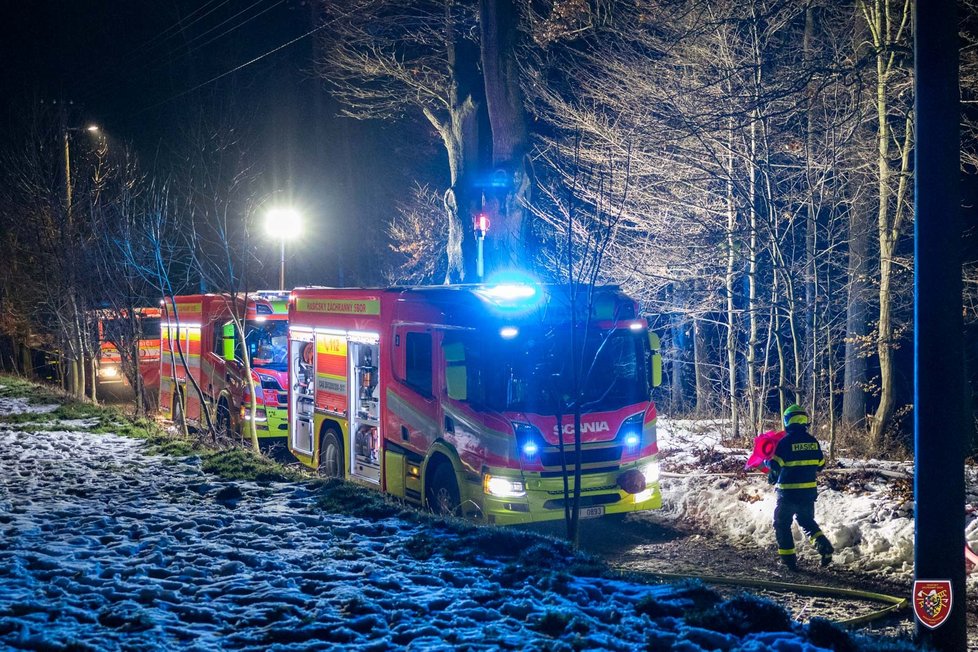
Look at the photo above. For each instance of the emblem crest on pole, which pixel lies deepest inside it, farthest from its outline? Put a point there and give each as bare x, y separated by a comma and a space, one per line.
932, 601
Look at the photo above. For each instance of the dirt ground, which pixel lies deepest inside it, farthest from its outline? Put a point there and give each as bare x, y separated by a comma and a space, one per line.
645, 546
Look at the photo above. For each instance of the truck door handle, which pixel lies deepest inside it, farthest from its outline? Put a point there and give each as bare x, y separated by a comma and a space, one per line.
449, 425
404, 433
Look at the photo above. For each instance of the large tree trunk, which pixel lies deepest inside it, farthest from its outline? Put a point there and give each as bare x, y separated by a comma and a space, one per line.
508, 191
460, 135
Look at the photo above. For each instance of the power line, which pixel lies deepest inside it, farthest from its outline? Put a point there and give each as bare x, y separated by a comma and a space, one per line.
232, 71
247, 20
177, 27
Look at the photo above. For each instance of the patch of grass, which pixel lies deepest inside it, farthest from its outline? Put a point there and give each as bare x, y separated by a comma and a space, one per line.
742, 615
347, 498
16, 387
552, 623
689, 596
243, 464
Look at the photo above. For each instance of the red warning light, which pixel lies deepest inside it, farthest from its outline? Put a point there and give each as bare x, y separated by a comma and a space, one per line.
481, 223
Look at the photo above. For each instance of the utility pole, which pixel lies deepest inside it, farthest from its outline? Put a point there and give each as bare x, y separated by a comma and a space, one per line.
941, 422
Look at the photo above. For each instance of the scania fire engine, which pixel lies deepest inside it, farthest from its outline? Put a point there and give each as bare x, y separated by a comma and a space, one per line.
199, 330
459, 398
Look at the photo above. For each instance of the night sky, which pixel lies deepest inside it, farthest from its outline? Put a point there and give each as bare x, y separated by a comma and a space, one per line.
145, 70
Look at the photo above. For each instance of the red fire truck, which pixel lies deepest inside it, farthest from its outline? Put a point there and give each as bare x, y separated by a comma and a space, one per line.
114, 327
202, 329
456, 397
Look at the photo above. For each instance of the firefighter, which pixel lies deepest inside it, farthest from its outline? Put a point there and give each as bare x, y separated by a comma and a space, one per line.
797, 459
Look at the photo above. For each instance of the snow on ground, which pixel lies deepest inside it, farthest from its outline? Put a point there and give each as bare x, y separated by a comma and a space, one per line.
20, 406
105, 547
870, 522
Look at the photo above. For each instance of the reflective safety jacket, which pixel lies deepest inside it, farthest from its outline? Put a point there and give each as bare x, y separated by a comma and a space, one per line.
797, 459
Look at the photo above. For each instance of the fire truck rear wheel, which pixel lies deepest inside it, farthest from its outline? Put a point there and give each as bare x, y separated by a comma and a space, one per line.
331, 455
442, 490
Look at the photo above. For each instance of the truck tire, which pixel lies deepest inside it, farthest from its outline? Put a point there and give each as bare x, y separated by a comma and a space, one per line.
442, 491
331, 455
223, 420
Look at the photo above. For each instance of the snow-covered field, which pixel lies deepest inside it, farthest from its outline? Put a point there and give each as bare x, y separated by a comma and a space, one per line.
870, 522
105, 547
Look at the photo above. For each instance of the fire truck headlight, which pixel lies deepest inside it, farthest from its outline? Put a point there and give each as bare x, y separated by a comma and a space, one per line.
651, 472
260, 415
503, 487
108, 372
632, 440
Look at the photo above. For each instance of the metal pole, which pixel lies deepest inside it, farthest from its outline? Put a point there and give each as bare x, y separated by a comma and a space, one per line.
479, 266
67, 176
281, 273
941, 421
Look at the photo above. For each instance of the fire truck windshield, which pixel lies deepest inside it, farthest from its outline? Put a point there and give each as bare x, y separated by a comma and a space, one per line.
268, 344
534, 371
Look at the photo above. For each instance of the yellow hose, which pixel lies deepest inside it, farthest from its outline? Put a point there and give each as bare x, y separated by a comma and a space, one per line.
895, 603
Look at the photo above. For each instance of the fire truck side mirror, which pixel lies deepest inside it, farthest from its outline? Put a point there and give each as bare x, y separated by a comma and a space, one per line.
655, 345
456, 381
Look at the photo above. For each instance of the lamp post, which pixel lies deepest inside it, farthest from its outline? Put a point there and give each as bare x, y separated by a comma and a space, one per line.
90, 128
283, 223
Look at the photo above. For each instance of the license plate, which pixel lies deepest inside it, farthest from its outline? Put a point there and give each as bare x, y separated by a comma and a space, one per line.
591, 512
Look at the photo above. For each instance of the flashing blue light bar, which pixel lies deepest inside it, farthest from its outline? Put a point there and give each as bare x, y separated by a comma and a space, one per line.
511, 292
508, 332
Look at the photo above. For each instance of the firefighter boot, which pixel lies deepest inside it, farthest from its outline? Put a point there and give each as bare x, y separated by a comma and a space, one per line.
789, 559
824, 547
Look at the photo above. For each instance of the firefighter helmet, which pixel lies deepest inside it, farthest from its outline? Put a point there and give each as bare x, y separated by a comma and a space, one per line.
795, 414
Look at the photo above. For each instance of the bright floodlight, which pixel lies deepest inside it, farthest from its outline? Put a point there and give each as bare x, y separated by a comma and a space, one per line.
283, 222
92, 128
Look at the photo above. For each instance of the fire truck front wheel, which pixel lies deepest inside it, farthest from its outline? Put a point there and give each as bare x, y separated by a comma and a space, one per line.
223, 419
331, 455
442, 491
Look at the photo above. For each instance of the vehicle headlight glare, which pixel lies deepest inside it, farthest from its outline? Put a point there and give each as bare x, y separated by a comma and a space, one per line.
503, 487
651, 472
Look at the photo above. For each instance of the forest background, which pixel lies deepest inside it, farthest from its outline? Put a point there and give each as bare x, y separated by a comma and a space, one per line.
744, 170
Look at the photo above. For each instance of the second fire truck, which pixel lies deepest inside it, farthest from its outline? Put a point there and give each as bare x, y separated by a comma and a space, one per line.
199, 337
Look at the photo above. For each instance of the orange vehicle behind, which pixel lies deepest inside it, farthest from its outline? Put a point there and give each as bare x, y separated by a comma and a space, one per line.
114, 327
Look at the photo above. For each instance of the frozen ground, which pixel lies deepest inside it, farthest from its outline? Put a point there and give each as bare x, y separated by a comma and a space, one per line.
103, 547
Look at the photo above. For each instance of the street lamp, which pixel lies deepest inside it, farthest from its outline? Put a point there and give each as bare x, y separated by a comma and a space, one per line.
90, 128
283, 223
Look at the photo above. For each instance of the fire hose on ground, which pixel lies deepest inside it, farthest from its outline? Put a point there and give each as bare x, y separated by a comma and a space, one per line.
895, 604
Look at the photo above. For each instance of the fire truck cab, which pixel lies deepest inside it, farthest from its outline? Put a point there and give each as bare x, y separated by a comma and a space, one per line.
456, 398
199, 330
